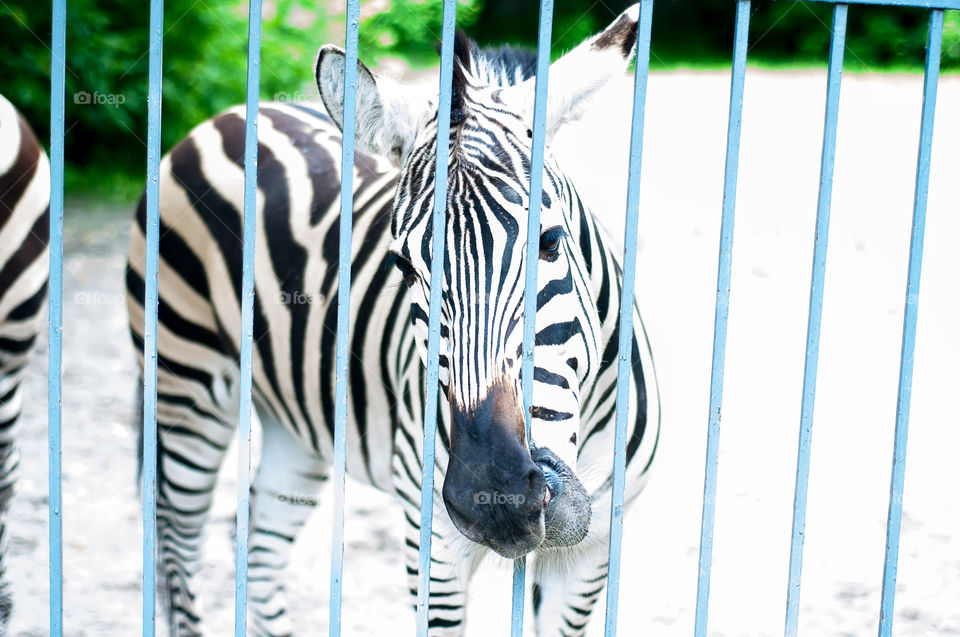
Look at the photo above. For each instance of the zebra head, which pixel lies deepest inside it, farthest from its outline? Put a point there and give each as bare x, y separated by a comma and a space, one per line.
499, 490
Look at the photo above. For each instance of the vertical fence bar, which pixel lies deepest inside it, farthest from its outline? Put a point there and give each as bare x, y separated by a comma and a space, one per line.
439, 223
58, 65
246, 313
626, 314
519, 591
891, 553
738, 75
148, 488
817, 276
343, 310
544, 36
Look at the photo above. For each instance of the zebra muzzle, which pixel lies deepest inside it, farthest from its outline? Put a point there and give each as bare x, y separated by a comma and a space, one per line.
567, 510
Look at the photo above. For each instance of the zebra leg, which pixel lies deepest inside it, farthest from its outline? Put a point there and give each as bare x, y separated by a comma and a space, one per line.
563, 601
283, 495
10, 403
449, 578
449, 571
192, 441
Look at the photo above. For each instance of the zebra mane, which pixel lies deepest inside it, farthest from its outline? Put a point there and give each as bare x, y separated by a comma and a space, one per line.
496, 66
503, 65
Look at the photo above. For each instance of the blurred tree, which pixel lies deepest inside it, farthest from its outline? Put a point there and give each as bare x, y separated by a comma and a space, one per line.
411, 29
204, 54
951, 39
204, 71
701, 32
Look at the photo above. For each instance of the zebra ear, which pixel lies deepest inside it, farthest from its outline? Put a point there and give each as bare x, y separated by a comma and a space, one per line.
386, 118
582, 73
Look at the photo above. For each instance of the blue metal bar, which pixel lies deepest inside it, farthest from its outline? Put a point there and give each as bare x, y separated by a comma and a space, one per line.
246, 313
923, 4
343, 311
58, 65
433, 337
626, 315
544, 36
837, 41
891, 554
148, 488
519, 591
722, 310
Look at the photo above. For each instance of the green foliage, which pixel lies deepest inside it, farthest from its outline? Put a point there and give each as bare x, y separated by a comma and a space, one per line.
701, 33
951, 39
204, 71
511, 22
202, 76
411, 29
204, 55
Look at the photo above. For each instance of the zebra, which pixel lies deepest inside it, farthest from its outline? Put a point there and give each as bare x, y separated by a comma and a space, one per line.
496, 495
24, 270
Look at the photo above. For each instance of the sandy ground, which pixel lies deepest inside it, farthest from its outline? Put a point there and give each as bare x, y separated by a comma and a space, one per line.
682, 179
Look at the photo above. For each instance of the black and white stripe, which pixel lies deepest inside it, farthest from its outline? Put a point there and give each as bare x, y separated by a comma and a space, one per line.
24, 270
295, 335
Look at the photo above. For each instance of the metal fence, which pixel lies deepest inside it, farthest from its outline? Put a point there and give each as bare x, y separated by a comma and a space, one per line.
58, 62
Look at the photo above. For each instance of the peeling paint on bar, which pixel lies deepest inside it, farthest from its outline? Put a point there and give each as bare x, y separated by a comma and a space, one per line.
891, 554
433, 336
626, 314
544, 36
246, 314
58, 65
148, 488
343, 312
837, 42
722, 312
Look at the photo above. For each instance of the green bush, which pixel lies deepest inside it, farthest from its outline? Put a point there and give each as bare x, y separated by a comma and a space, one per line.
411, 29
204, 55
204, 71
700, 33
951, 40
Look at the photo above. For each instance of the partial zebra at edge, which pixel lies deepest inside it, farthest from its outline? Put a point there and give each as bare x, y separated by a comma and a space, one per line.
24, 273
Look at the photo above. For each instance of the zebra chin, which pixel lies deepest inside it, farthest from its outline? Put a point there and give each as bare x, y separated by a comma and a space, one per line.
567, 513
561, 517
503, 495
545, 505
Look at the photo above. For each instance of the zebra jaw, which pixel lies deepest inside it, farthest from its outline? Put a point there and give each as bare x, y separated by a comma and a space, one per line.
560, 519
566, 504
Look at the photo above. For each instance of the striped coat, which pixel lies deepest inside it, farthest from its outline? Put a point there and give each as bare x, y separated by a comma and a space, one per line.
24, 269
295, 311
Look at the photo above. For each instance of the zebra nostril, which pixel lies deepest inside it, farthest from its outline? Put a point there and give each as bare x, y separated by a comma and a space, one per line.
533, 478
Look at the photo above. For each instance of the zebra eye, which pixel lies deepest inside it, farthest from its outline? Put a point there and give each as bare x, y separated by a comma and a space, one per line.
405, 268
550, 243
